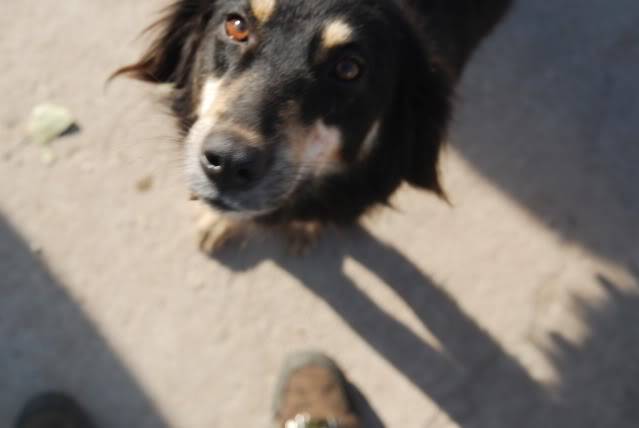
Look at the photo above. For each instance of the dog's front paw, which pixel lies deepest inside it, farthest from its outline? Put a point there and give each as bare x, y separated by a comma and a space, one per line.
215, 232
302, 236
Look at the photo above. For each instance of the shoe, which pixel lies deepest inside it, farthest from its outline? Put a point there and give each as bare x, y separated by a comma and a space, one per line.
312, 392
53, 410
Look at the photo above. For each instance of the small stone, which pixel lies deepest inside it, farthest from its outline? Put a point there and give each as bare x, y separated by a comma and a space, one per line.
145, 184
48, 122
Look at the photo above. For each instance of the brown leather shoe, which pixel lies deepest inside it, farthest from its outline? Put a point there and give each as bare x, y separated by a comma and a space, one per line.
53, 411
312, 393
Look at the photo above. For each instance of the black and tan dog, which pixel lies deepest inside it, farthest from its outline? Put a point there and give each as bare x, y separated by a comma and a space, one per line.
309, 112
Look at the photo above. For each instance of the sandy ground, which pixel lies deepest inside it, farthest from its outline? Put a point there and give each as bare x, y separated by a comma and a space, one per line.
516, 307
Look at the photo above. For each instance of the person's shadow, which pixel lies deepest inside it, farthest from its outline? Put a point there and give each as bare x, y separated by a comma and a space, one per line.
48, 342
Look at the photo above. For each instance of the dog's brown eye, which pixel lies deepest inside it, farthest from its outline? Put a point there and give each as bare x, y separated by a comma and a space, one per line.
348, 69
237, 28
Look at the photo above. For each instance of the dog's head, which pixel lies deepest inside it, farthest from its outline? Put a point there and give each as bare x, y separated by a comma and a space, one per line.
300, 108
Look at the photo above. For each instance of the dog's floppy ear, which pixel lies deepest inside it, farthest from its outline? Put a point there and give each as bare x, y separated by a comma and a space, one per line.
424, 112
169, 57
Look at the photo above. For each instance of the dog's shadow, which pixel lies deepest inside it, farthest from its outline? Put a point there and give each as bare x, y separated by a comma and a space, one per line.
468, 354
470, 376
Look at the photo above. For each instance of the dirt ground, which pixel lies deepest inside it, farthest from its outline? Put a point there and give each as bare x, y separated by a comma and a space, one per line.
517, 306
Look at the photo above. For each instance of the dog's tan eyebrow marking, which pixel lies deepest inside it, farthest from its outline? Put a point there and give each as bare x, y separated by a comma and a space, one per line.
263, 9
336, 33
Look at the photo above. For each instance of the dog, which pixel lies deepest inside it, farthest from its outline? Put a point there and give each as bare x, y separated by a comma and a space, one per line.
306, 113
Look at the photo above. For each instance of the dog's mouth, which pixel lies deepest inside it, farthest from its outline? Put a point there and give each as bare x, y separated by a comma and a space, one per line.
243, 206
222, 205
231, 207
252, 205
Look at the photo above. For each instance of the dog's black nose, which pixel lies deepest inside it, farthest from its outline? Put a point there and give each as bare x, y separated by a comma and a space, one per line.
231, 162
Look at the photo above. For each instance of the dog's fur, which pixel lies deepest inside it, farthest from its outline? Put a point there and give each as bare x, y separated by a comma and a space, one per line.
329, 149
